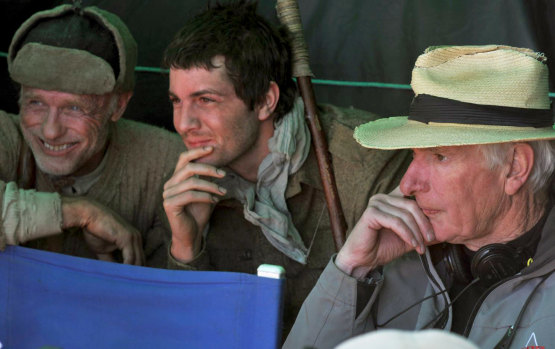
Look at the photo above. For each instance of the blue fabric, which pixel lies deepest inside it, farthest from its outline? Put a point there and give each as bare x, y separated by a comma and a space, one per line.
54, 300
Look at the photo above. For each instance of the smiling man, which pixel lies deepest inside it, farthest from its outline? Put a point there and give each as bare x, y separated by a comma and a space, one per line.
466, 244
75, 177
248, 190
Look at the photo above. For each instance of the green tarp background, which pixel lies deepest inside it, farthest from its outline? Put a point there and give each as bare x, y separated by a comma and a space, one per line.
348, 40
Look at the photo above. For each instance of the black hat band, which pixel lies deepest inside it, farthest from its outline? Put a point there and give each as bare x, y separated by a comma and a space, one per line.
427, 108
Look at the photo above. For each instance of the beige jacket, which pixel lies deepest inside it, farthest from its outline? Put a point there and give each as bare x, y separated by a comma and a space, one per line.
139, 159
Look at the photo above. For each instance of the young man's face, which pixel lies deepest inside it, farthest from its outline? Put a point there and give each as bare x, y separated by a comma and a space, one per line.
67, 132
457, 191
207, 112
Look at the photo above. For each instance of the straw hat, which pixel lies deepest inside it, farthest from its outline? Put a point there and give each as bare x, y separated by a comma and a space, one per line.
469, 95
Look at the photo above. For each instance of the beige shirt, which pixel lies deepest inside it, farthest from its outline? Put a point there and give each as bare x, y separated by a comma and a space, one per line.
139, 159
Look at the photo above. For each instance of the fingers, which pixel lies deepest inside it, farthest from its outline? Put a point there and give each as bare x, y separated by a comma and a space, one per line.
401, 206
187, 194
104, 230
191, 155
403, 228
404, 217
132, 250
139, 251
195, 187
185, 186
129, 242
389, 227
193, 170
186, 167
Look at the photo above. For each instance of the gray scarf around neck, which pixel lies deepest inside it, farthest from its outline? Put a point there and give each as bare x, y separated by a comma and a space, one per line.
264, 202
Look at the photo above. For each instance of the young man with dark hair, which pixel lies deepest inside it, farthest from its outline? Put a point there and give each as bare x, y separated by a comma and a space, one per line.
248, 191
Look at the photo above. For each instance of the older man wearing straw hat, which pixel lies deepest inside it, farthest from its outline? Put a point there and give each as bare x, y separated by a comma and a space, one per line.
467, 243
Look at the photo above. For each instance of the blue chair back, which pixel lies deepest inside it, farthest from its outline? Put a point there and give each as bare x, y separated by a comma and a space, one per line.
49, 300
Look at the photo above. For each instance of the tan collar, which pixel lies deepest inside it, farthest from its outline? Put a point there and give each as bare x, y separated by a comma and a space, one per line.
308, 174
341, 144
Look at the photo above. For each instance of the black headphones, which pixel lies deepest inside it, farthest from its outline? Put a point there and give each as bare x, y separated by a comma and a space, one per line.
491, 263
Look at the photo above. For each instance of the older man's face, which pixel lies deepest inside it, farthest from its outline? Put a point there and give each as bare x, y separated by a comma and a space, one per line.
457, 191
67, 133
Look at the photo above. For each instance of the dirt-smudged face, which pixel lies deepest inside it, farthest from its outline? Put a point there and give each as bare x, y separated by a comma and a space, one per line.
68, 133
208, 112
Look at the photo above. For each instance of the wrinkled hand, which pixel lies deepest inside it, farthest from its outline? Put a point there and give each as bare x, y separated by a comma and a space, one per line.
189, 200
390, 226
105, 230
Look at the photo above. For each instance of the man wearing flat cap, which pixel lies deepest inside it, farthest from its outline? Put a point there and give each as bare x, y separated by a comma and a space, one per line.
467, 242
75, 178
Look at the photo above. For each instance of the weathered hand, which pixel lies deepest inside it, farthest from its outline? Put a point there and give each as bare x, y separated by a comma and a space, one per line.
102, 248
189, 200
390, 226
105, 230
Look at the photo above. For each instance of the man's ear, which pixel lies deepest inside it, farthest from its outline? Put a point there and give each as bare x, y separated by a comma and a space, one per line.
521, 166
267, 107
123, 100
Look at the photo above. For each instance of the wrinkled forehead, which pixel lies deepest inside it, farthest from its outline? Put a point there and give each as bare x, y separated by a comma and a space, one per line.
90, 102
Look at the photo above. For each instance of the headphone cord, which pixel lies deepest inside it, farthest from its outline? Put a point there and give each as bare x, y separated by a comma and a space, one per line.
409, 308
507, 339
441, 313
431, 277
426, 298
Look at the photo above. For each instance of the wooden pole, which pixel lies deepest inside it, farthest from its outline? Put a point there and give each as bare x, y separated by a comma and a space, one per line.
289, 15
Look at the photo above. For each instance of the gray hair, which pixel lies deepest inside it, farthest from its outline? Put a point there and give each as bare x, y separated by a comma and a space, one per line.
544, 162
